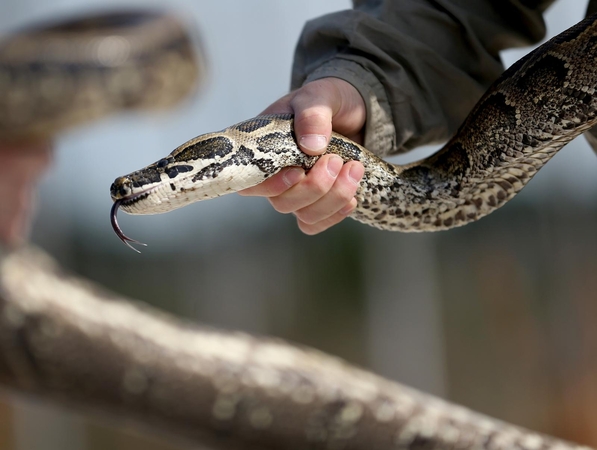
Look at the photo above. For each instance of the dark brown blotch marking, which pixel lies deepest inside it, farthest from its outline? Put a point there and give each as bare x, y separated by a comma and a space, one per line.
504, 185
242, 157
276, 142
530, 140
144, 177
495, 110
266, 166
173, 171
547, 70
251, 125
347, 150
206, 149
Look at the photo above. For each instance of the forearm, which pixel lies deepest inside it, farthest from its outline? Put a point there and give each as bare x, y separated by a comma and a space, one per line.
420, 65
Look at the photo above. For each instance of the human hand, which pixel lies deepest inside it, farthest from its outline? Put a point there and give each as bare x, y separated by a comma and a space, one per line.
21, 165
324, 196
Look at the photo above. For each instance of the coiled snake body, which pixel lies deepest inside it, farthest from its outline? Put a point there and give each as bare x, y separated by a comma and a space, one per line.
535, 108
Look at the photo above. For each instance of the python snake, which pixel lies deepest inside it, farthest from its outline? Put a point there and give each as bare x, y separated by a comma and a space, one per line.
537, 106
62, 74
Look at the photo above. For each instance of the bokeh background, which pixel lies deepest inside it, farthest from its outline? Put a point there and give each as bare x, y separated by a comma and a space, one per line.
500, 315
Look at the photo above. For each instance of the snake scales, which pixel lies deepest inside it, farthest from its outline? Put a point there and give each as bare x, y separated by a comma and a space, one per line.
535, 108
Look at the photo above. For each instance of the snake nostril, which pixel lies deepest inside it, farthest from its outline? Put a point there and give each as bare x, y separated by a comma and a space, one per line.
120, 188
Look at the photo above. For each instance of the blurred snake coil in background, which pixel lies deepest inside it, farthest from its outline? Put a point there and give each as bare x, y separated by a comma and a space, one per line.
56, 77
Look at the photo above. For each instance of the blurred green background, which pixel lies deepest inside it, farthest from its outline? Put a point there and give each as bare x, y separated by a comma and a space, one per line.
500, 315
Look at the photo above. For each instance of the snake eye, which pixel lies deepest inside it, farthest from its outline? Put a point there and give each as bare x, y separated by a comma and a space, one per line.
162, 163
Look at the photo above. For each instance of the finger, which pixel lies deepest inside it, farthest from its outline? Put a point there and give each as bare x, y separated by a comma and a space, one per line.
277, 184
323, 225
338, 197
314, 106
316, 184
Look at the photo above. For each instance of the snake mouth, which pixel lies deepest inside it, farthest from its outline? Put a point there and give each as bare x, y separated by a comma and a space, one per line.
131, 200
126, 201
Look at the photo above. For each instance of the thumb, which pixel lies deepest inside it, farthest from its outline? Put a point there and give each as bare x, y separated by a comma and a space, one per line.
312, 117
314, 106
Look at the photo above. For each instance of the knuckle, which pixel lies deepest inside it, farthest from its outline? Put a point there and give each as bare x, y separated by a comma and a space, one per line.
306, 216
320, 189
319, 180
314, 88
311, 119
280, 205
308, 229
345, 194
317, 186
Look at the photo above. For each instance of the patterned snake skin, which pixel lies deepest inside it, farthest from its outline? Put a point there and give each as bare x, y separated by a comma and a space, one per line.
536, 107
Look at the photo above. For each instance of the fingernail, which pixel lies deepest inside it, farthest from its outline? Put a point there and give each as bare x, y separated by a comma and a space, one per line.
334, 165
293, 176
356, 173
313, 142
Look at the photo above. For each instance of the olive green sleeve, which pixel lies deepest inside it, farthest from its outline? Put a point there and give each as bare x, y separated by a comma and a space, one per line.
420, 65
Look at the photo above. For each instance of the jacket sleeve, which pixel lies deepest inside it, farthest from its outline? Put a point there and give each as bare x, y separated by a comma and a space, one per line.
420, 65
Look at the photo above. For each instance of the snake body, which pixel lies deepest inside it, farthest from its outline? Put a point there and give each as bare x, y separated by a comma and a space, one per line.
537, 106
60, 75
